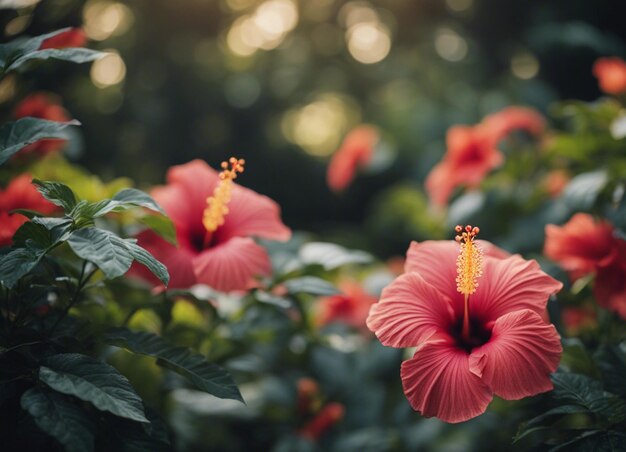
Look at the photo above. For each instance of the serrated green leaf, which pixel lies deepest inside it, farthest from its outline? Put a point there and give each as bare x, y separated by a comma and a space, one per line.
124, 199
17, 263
60, 418
16, 135
103, 248
563, 409
611, 360
311, 285
161, 225
145, 258
57, 193
331, 256
72, 54
587, 392
22, 45
595, 441
92, 381
205, 376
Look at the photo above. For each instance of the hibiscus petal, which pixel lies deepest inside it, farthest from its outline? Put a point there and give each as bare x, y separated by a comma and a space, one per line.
522, 352
509, 285
437, 381
198, 180
231, 265
435, 261
440, 183
178, 261
252, 214
409, 311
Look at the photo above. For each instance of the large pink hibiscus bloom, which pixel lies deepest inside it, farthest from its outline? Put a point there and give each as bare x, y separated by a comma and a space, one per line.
215, 221
476, 320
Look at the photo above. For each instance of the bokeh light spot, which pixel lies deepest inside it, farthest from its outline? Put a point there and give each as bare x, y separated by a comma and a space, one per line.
109, 70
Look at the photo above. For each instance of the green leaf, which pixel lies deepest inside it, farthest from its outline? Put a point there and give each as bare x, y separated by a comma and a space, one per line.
145, 258
20, 46
311, 285
105, 249
57, 193
582, 191
587, 392
16, 135
595, 441
73, 54
124, 199
611, 360
161, 225
205, 376
60, 418
331, 256
563, 409
92, 381
42, 232
18, 263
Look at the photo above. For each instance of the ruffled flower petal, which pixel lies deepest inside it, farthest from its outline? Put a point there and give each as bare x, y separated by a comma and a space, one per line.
251, 214
437, 382
231, 265
522, 352
409, 311
511, 284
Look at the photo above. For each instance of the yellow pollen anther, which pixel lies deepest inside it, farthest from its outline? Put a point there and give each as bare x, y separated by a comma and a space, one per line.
217, 203
469, 264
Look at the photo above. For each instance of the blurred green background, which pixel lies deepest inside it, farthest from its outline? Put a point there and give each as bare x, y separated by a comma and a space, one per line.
280, 82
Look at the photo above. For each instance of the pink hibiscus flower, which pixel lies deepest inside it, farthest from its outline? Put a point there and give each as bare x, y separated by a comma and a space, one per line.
19, 194
351, 306
215, 221
355, 153
475, 316
611, 75
472, 151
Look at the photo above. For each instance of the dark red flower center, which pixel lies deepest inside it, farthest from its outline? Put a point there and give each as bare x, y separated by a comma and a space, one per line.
479, 333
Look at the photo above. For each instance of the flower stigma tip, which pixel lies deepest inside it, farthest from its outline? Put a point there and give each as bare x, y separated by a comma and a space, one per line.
217, 203
469, 262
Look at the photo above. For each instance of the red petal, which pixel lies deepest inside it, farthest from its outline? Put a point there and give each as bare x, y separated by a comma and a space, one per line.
410, 311
251, 214
509, 285
231, 265
522, 352
437, 381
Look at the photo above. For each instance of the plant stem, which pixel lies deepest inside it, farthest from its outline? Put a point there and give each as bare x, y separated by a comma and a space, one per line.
82, 281
465, 333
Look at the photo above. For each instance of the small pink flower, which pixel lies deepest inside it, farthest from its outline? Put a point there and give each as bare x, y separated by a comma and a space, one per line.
19, 194
355, 153
70, 38
329, 415
611, 75
215, 221
472, 152
351, 306
475, 317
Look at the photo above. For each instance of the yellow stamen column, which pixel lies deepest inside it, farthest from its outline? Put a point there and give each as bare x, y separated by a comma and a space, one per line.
217, 203
469, 267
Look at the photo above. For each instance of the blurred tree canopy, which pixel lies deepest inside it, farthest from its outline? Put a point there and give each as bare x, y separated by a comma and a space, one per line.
195, 79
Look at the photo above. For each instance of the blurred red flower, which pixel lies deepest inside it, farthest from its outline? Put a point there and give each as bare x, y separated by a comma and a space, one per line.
351, 307
70, 38
45, 106
580, 245
611, 74
355, 153
584, 246
19, 194
555, 182
328, 416
472, 151
215, 221
308, 395
473, 339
